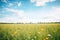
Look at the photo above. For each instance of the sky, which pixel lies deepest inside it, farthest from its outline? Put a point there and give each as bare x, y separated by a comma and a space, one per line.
29, 11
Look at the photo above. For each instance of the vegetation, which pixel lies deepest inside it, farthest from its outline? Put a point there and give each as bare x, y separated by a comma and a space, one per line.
29, 31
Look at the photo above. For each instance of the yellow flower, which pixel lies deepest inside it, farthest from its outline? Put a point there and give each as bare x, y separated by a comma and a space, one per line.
46, 38
42, 29
14, 33
38, 32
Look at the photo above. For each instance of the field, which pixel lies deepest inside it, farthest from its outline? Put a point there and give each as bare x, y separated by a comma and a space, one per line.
29, 31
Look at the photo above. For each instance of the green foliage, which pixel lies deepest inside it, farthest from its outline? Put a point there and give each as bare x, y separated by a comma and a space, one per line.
29, 31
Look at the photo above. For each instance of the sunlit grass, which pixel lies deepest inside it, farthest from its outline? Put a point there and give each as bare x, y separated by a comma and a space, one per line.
29, 31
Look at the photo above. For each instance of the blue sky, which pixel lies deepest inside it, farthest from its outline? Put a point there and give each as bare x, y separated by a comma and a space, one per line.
29, 11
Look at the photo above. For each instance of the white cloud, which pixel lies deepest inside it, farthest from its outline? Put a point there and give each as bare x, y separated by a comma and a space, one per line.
32, 1
17, 12
11, 4
55, 12
18, 16
41, 2
8, 19
4, 1
19, 4
52, 16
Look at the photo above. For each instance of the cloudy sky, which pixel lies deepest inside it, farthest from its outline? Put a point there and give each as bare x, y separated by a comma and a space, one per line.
29, 11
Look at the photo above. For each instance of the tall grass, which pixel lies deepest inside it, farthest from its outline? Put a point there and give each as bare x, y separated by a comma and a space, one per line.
29, 31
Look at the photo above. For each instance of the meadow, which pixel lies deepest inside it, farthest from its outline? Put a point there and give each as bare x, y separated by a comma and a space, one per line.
29, 31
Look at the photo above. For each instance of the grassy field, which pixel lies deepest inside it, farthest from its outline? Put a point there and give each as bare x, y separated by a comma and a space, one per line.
29, 31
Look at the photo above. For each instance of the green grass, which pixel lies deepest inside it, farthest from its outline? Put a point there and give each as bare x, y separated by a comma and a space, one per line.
29, 31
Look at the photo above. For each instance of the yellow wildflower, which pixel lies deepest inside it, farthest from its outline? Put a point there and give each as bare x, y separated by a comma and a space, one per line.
46, 38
